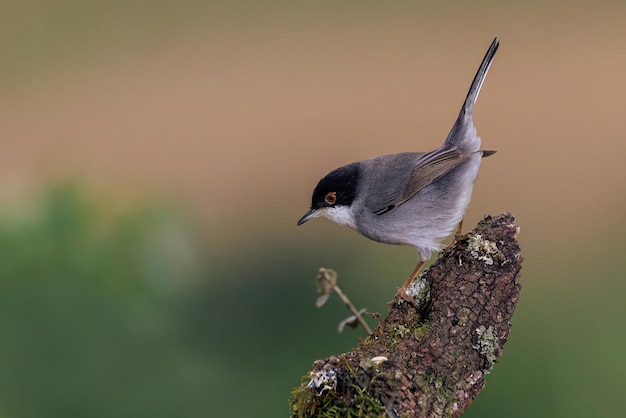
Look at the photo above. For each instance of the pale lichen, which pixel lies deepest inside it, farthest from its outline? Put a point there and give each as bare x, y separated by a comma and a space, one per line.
419, 290
487, 345
323, 380
483, 249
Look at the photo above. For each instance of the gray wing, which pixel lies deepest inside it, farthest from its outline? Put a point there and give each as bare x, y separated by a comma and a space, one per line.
428, 168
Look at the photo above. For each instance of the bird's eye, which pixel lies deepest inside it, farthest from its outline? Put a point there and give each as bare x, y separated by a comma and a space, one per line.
330, 198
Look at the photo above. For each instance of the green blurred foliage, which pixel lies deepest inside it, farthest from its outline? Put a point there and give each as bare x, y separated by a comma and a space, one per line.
101, 315
87, 329
106, 314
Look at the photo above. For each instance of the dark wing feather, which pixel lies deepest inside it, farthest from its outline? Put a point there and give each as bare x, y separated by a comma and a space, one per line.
428, 168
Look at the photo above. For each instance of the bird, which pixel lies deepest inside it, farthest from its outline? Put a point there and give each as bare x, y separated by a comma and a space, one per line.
415, 199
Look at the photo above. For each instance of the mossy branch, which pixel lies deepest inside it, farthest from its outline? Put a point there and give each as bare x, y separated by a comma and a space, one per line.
428, 359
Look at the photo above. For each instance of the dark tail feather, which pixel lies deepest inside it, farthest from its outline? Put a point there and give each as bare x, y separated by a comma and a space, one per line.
472, 95
463, 122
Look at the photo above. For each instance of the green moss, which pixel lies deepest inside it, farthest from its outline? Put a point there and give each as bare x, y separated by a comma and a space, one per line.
421, 330
369, 341
400, 331
317, 395
397, 332
443, 395
306, 403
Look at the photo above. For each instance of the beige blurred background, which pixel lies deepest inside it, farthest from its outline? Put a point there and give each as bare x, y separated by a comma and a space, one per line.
240, 110
235, 110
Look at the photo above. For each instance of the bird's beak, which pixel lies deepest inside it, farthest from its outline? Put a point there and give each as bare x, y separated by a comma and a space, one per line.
311, 213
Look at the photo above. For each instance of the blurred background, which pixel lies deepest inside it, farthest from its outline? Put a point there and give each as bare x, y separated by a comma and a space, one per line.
155, 157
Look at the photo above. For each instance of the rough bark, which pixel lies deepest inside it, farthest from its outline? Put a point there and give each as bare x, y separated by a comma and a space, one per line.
428, 359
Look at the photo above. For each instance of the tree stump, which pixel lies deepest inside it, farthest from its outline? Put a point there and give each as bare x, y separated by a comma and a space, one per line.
428, 359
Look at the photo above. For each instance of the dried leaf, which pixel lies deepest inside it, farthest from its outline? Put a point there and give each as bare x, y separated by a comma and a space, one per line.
352, 321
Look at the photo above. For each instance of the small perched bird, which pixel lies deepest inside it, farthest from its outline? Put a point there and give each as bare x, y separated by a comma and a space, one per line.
410, 198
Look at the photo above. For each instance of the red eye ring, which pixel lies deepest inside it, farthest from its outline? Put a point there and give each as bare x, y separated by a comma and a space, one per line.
330, 198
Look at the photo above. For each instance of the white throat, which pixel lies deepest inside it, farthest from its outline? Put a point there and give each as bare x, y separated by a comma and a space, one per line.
341, 215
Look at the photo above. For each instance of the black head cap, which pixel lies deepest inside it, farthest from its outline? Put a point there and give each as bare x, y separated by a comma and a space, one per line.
337, 188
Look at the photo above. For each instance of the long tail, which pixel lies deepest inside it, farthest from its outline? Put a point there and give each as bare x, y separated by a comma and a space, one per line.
463, 129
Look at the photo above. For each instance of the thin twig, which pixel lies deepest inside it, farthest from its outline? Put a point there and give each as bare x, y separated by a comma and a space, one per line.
330, 278
350, 306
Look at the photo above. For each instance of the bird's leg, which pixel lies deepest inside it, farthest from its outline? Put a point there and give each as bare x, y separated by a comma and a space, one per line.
459, 229
402, 292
